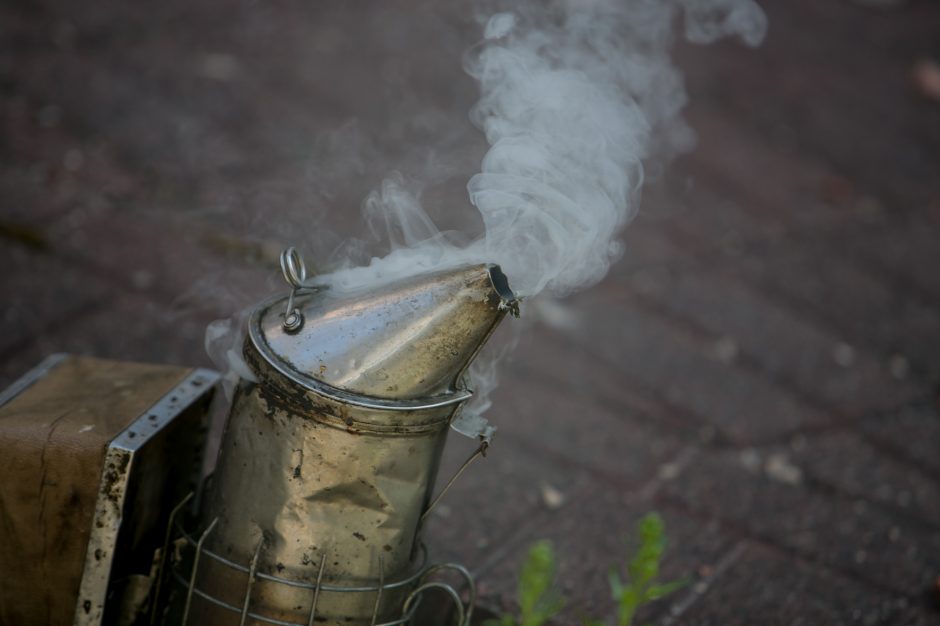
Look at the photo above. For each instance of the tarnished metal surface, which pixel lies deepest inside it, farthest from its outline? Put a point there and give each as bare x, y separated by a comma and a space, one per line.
411, 339
143, 458
328, 461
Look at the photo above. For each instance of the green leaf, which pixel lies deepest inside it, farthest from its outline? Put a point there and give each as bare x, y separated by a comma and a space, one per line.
547, 607
629, 603
537, 601
655, 592
537, 574
644, 568
616, 586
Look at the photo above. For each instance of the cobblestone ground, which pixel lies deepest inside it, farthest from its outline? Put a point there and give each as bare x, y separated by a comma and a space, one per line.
761, 368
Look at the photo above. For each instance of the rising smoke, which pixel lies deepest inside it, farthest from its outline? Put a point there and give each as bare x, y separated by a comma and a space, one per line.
575, 97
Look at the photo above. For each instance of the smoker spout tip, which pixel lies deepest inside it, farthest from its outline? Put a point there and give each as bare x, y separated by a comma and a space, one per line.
500, 282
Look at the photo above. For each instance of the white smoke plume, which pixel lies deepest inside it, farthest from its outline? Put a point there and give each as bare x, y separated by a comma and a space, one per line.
575, 97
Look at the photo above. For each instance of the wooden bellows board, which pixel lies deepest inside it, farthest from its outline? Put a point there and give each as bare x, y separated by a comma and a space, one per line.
93, 455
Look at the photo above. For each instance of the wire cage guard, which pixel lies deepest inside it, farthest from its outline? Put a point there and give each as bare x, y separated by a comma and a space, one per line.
178, 540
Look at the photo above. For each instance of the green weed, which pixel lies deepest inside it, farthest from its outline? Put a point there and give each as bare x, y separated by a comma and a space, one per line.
539, 601
641, 586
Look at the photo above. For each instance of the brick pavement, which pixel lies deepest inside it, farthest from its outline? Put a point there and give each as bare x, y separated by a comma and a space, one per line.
760, 367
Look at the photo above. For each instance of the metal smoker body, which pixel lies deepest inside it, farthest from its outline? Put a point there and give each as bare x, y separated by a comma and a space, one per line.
328, 461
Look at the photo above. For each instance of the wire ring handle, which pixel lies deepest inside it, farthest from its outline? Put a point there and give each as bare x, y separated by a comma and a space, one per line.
293, 267
295, 273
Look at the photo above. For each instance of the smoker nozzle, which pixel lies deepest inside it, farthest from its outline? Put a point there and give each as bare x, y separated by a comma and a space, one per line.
405, 340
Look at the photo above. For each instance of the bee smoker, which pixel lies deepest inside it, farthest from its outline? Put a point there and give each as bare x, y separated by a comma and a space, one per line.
329, 457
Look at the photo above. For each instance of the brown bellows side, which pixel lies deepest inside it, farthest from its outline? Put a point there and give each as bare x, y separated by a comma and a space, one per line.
53, 438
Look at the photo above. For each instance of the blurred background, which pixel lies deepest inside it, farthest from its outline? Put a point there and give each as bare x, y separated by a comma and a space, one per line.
761, 367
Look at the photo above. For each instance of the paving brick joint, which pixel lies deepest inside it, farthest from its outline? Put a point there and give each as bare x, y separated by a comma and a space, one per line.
761, 367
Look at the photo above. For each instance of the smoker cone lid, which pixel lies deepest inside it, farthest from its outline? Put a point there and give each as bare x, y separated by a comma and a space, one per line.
408, 340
